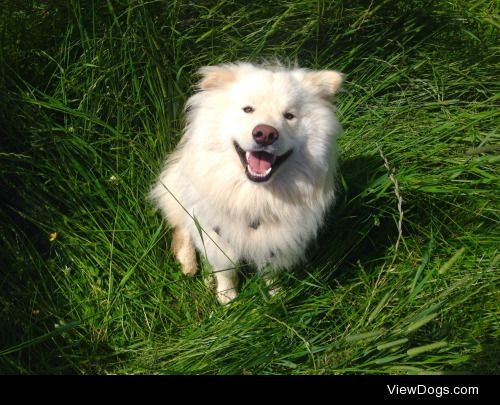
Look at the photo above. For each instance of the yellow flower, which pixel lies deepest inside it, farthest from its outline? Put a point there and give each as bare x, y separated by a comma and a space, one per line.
53, 236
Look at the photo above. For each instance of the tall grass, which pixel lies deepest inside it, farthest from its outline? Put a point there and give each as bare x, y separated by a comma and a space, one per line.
404, 276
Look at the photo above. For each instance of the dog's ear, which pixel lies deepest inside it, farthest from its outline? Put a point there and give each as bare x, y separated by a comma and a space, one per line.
325, 82
215, 76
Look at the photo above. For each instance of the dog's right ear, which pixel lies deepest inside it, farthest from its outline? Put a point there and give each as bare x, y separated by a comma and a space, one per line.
214, 77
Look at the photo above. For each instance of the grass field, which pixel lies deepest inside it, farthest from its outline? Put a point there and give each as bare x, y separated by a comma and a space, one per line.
404, 276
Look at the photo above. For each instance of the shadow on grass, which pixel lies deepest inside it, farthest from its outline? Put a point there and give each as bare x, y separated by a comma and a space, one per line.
360, 227
486, 361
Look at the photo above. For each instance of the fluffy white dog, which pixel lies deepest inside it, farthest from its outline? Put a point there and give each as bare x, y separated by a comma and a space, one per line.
254, 173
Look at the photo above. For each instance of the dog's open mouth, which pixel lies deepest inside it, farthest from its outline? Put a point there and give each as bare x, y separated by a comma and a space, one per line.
259, 165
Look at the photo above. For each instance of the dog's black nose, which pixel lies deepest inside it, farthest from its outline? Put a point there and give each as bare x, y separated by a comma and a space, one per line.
265, 134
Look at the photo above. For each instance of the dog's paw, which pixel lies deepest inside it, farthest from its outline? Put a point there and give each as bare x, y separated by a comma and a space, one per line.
189, 269
226, 296
188, 263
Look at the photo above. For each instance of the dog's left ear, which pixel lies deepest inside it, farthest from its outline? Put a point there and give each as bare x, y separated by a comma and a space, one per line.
216, 76
325, 82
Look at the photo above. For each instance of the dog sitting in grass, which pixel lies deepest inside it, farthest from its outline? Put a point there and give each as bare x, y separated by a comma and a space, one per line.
254, 173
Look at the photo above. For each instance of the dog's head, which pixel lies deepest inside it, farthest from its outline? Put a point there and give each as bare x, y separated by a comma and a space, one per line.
266, 117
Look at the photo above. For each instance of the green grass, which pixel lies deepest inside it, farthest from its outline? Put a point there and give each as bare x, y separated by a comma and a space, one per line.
91, 102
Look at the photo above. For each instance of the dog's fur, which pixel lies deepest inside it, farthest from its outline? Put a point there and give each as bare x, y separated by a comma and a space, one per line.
204, 183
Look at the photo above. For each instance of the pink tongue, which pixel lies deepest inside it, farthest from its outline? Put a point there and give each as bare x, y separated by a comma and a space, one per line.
260, 162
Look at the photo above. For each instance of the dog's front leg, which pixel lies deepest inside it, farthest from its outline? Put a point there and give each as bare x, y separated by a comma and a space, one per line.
224, 270
227, 284
183, 249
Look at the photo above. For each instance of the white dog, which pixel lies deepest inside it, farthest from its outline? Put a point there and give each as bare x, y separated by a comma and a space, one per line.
254, 173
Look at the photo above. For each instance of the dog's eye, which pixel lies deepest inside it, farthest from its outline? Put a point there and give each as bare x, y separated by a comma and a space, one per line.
289, 116
248, 109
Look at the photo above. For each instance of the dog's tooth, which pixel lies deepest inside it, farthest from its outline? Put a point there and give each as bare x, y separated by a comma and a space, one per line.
258, 174
247, 155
